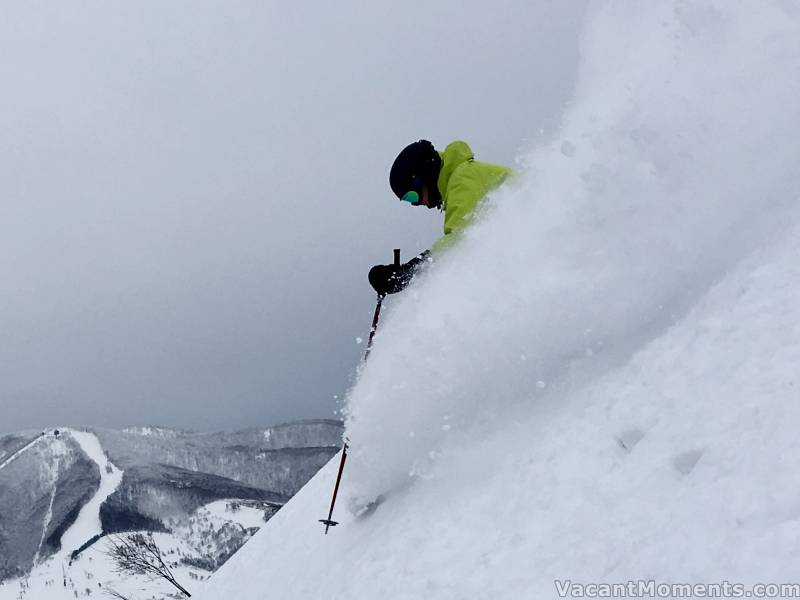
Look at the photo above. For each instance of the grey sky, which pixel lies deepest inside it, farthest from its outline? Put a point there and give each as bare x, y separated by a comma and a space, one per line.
193, 192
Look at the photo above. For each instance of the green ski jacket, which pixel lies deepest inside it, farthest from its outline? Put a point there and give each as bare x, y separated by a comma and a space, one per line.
463, 183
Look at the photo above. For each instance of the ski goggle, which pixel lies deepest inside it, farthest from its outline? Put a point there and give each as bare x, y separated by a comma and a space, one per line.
413, 197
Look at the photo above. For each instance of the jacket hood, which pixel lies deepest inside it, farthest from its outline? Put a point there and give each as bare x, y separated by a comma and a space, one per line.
455, 154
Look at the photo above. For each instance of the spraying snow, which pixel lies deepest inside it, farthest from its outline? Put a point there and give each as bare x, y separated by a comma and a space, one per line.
599, 384
677, 156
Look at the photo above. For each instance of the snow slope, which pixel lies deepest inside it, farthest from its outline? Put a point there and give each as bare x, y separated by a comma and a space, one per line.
600, 383
87, 524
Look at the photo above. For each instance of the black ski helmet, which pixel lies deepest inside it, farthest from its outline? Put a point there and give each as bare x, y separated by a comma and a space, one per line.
417, 165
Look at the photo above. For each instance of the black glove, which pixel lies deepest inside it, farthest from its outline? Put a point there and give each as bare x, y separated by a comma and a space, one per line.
390, 279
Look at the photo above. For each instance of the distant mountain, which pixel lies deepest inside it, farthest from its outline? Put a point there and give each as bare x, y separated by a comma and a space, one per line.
44, 481
279, 459
63, 490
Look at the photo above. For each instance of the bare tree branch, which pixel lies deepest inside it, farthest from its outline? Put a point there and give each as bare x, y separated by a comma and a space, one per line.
138, 554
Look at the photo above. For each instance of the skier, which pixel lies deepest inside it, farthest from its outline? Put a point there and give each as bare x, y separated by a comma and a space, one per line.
452, 181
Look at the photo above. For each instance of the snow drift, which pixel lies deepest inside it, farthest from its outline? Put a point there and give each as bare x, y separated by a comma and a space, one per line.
677, 155
598, 383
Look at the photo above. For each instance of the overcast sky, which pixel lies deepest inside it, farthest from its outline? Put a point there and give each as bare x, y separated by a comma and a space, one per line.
192, 193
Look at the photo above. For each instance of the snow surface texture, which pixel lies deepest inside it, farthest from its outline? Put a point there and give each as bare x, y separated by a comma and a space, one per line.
600, 384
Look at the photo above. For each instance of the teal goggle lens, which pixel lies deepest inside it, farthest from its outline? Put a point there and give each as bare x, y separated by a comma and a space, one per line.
412, 197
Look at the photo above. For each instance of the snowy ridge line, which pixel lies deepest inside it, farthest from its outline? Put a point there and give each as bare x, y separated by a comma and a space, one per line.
16, 454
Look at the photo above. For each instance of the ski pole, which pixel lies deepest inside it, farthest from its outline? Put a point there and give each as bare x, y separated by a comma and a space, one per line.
377, 315
329, 522
374, 325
